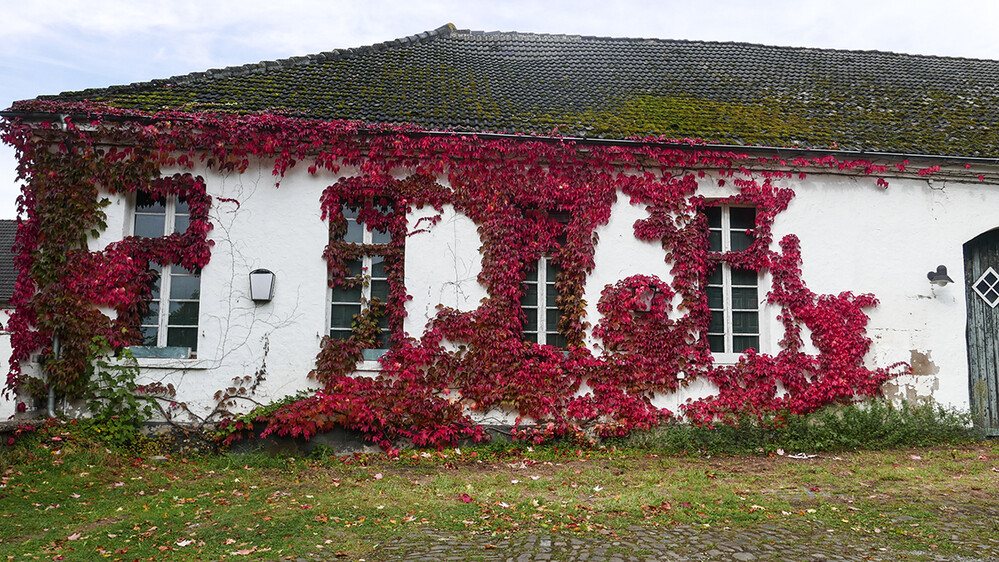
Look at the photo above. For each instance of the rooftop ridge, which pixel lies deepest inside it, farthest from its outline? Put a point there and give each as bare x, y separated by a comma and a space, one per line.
530, 34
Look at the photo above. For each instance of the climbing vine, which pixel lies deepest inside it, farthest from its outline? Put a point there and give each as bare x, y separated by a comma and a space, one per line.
529, 197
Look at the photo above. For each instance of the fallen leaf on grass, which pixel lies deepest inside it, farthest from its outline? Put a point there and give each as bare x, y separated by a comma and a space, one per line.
465, 498
74, 537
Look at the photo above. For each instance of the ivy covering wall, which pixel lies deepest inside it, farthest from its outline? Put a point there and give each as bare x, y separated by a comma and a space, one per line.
529, 197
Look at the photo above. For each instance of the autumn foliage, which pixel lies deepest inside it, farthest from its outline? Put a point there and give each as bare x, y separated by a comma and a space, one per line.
530, 197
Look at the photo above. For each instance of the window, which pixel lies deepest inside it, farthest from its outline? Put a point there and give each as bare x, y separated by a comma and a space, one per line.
538, 302
172, 319
732, 293
366, 284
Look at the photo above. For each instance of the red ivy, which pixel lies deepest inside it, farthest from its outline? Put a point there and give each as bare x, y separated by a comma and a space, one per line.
529, 197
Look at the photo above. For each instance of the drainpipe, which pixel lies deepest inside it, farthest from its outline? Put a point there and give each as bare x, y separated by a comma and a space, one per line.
55, 355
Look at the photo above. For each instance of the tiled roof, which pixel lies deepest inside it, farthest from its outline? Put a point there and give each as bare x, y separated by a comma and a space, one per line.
725, 93
8, 275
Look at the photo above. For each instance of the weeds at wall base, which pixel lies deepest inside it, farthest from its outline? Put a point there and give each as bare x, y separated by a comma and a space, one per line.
871, 425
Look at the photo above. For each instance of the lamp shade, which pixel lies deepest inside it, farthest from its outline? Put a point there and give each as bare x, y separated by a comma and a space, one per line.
261, 285
939, 277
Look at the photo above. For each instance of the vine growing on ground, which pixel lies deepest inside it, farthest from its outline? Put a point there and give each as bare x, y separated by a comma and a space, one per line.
529, 197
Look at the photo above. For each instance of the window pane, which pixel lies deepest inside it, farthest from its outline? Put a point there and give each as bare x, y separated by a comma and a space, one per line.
355, 267
355, 233
551, 296
743, 298
149, 335
341, 334
531, 324
558, 340
551, 271
380, 237
181, 222
531, 337
740, 240
384, 341
714, 216
530, 297
150, 226
347, 294
742, 343
716, 343
152, 318
377, 266
716, 276
532, 275
742, 218
551, 319
183, 337
714, 239
155, 285
180, 207
185, 287
183, 314
715, 297
717, 322
146, 204
380, 290
745, 322
744, 277
342, 315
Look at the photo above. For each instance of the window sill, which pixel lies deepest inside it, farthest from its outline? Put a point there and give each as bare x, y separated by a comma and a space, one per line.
166, 358
726, 359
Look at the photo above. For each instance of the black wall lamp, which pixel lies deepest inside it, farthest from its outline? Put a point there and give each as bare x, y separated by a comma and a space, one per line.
261, 285
939, 277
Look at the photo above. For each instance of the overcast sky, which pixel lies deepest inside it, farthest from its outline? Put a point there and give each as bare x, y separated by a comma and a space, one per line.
51, 46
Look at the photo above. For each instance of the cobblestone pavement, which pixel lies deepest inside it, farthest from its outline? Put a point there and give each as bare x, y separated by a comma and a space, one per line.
684, 542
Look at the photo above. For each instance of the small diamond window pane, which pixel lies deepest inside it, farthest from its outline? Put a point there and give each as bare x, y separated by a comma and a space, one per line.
986, 288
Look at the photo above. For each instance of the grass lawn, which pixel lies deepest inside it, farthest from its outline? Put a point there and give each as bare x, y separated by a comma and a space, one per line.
63, 496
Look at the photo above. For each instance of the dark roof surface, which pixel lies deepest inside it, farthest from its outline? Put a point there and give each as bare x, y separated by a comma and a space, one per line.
8, 275
725, 93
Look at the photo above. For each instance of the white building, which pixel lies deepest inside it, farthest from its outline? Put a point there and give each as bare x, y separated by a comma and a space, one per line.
450, 272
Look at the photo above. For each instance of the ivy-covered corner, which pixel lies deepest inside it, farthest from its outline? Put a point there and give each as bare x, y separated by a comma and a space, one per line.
534, 201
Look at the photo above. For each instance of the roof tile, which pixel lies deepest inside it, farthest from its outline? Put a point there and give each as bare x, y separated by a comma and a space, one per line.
614, 88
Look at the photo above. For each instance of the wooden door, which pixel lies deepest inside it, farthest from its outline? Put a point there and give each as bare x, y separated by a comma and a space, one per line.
981, 274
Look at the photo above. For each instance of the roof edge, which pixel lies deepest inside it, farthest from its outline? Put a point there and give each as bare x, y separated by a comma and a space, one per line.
264, 66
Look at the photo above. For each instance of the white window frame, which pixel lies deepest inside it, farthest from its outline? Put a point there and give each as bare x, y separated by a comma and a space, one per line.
165, 279
367, 239
729, 356
541, 306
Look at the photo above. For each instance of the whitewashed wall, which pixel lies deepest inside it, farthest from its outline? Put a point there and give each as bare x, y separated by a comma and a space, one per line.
854, 236
8, 403
861, 238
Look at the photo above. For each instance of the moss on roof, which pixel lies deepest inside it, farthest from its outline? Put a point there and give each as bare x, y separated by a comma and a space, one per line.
726, 93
